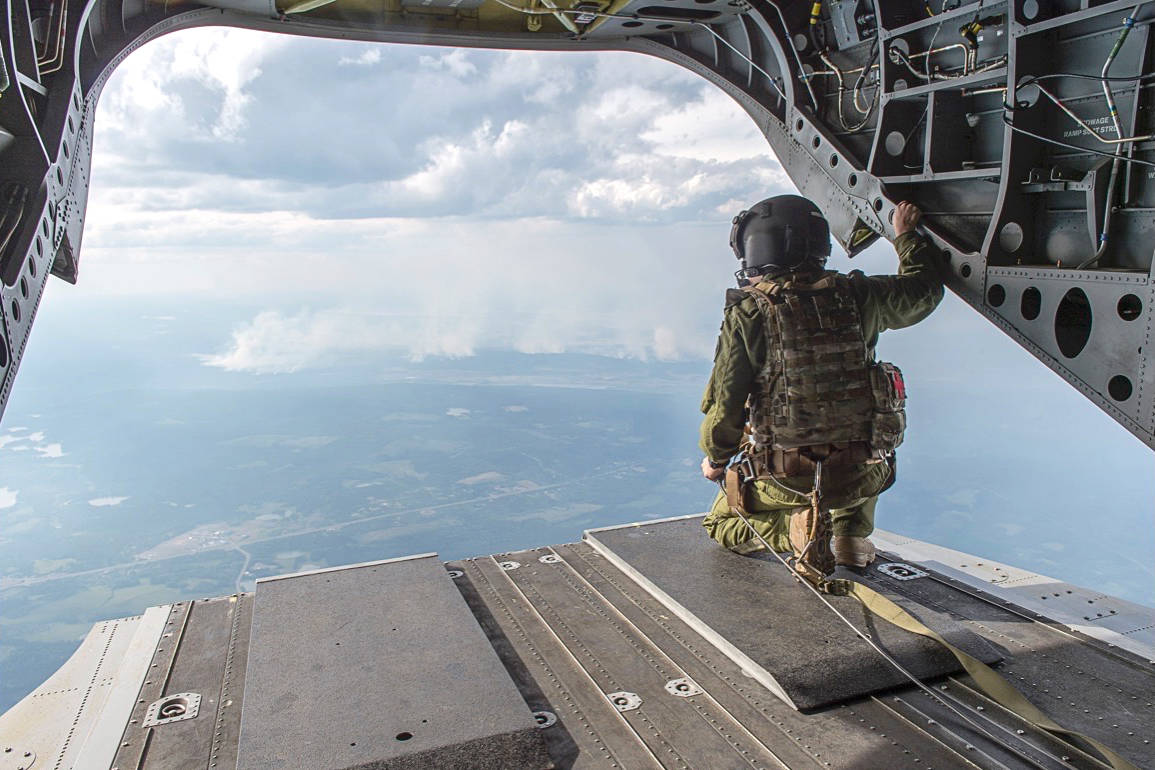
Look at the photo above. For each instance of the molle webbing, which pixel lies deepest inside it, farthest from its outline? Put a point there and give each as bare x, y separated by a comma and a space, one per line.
815, 388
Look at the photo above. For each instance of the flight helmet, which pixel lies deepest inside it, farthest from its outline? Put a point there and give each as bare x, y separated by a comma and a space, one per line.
780, 232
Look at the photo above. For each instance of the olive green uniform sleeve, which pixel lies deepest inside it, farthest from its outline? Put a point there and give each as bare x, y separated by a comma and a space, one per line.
724, 402
887, 302
904, 299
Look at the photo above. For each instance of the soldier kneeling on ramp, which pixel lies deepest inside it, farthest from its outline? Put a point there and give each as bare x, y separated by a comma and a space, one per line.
801, 421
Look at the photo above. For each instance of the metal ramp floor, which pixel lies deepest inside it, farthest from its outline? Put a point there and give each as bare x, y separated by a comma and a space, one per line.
598, 654
573, 628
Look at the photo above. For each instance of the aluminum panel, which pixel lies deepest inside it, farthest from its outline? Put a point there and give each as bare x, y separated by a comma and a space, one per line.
377, 666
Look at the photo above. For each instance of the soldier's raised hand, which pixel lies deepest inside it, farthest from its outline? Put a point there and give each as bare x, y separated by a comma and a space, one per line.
710, 472
906, 217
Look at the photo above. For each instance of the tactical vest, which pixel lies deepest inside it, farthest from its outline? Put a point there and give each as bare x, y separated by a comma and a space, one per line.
820, 385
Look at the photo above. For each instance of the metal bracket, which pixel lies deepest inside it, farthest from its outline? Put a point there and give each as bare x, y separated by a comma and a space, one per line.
544, 719
173, 708
900, 571
625, 701
509, 565
12, 758
1056, 180
683, 688
550, 558
455, 573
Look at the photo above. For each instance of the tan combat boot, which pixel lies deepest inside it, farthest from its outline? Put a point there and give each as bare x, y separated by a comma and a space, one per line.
853, 551
810, 541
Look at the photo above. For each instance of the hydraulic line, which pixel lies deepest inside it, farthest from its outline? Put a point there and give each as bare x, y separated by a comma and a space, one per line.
1084, 76
921, 54
1077, 148
927, 54
54, 62
797, 58
1109, 210
970, 65
859, 82
842, 91
744, 57
1062, 105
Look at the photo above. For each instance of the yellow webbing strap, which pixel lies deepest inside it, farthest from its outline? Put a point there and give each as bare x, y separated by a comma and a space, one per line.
988, 680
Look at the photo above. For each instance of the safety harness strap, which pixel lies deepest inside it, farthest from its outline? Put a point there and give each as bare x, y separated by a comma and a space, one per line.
735, 489
988, 680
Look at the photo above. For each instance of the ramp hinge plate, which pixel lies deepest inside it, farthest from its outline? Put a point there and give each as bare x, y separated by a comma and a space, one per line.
683, 687
901, 571
173, 708
625, 701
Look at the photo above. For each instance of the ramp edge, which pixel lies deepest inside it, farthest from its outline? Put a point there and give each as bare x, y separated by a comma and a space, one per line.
744, 661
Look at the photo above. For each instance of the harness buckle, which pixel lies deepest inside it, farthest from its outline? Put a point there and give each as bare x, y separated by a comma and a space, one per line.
745, 469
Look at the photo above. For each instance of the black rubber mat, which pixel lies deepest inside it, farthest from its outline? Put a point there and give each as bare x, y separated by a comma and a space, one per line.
755, 612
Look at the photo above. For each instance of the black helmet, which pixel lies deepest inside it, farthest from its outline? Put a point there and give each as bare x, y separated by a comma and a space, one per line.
779, 232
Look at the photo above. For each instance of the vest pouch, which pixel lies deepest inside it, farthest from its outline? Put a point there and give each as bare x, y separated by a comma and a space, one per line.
888, 421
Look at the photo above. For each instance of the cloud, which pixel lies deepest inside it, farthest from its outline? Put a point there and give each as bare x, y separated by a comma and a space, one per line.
494, 133
707, 129
457, 411
10, 439
531, 201
199, 78
456, 62
102, 502
50, 450
275, 344
367, 58
515, 408
7, 497
278, 343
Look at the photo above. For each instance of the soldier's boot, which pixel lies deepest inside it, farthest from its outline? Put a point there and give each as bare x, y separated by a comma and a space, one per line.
810, 542
853, 551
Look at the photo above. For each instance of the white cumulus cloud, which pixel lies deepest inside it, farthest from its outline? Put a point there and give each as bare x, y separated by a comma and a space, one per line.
10, 439
103, 502
368, 57
7, 497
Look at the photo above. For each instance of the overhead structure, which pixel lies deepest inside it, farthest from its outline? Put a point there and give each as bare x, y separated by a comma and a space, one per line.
1022, 128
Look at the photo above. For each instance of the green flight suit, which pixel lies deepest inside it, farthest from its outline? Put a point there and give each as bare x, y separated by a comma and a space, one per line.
851, 492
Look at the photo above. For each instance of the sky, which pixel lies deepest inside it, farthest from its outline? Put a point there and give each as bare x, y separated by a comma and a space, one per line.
440, 196
345, 199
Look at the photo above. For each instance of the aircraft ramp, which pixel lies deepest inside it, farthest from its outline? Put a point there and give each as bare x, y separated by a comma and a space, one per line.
643, 646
